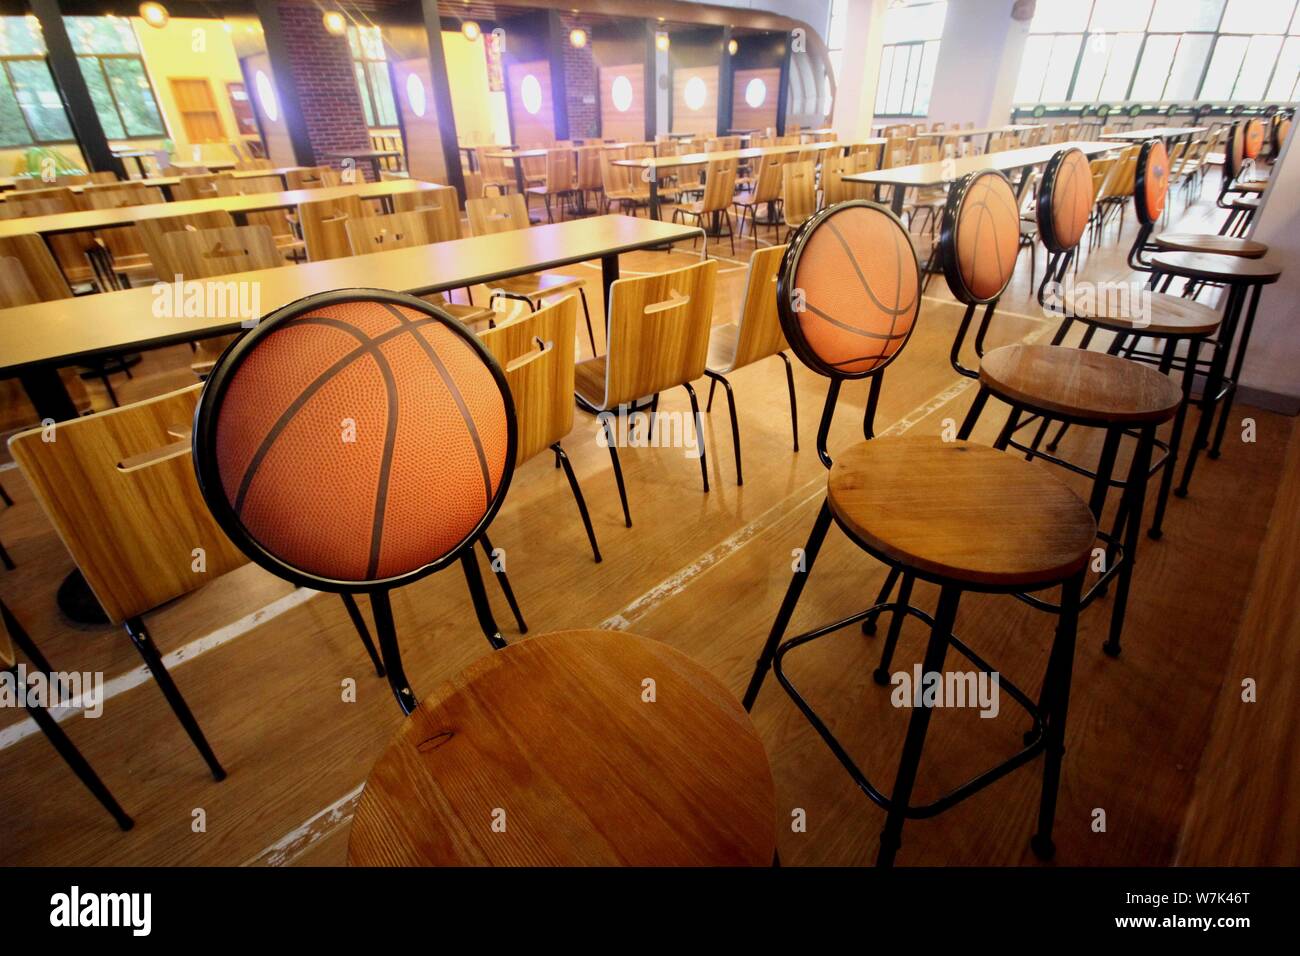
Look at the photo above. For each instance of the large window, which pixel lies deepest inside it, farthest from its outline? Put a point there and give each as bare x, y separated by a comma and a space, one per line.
31, 110
1089, 51
836, 27
910, 54
371, 68
110, 61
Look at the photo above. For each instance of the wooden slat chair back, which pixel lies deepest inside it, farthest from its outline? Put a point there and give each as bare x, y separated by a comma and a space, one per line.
246, 164
208, 253
834, 189
896, 152
658, 331
119, 488
537, 354
589, 168
69, 248
494, 214
38, 265
767, 184
311, 177
123, 242
493, 169
798, 192
152, 232
203, 186
324, 226
719, 185
440, 208
24, 284
399, 230
759, 334
279, 221
559, 170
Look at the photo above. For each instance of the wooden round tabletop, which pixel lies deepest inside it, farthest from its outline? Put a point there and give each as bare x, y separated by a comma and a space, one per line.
1208, 242
1203, 265
961, 511
1154, 313
579, 748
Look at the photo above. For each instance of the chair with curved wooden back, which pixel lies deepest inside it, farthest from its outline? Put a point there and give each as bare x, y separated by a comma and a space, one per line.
558, 180
402, 230
496, 214
658, 339
493, 170
152, 230
588, 181
755, 336
440, 208
621, 184
249, 164
719, 194
324, 226
279, 221
537, 355
126, 256
798, 194
270, 471
69, 248
119, 488
201, 186
311, 177
766, 191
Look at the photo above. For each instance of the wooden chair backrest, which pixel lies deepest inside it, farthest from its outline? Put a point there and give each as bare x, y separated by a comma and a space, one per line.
658, 331
15, 287
45, 201
324, 226
588, 160
399, 230
493, 214
492, 168
119, 488
253, 164
614, 179
798, 192
559, 170
152, 231
203, 186
39, 266
719, 185
207, 253
760, 332
311, 177
440, 207
116, 195
896, 152
834, 188
29, 274
279, 221
767, 184
537, 355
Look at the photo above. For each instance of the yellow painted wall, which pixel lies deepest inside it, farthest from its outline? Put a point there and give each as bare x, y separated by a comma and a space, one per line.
480, 114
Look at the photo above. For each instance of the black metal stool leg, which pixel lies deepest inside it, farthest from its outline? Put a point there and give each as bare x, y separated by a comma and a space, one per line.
562, 459
944, 617
477, 593
1213, 385
1135, 491
1175, 439
764, 664
382, 609
699, 433
504, 581
5, 560
973, 414
153, 660
794, 407
869, 622
359, 623
1235, 377
881, 673
1056, 698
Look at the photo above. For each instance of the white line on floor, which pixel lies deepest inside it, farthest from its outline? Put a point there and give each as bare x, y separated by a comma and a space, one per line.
300, 839
187, 652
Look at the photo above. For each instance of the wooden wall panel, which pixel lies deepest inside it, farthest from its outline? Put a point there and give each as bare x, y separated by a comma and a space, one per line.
629, 125
279, 148
744, 116
703, 121
424, 154
531, 129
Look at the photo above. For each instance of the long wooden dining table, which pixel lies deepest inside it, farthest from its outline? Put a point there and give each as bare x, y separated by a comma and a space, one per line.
165, 183
37, 340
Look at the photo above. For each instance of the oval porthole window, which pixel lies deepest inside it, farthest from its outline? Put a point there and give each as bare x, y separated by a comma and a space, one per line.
415, 94
755, 93
621, 93
530, 91
695, 93
266, 96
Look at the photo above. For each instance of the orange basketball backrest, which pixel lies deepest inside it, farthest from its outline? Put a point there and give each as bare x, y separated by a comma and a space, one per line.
1253, 141
980, 238
1234, 153
1064, 200
1151, 186
354, 438
849, 290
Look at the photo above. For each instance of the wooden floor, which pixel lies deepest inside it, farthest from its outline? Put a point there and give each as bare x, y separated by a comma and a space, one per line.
1158, 740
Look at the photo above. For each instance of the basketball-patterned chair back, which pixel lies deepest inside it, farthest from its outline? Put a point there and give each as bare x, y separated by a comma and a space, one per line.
848, 295
1253, 139
355, 440
1151, 184
1234, 155
1064, 201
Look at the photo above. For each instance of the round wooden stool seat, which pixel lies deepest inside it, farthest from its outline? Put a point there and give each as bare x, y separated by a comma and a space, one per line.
546, 753
1203, 242
1170, 315
1080, 385
1212, 268
961, 512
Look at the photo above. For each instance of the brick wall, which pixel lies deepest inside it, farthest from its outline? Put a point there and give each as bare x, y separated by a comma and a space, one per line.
580, 80
326, 84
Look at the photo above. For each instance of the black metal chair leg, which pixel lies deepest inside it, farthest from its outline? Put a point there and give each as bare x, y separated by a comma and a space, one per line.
359, 623
794, 406
612, 442
714, 378
1243, 343
1175, 439
881, 673
153, 660
382, 609
869, 622
504, 581
699, 434
4, 496
891, 838
586, 313
1213, 385
973, 414
562, 458
1136, 498
788, 603
713, 387
1056, 698
7, 561
478, 594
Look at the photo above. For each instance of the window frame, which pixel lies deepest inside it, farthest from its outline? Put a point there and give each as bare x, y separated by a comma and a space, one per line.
912, 77
367, 76
33, 139
127, 136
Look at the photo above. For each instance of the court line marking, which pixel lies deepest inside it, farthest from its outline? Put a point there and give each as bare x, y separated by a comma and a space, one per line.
316, 828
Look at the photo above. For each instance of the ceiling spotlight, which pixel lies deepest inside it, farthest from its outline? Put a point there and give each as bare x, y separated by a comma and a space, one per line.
336, 24
154, 14
471, 30
732, 47
661, 42
578, 38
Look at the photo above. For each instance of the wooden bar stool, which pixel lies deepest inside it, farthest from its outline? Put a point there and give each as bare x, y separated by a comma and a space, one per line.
549, 754
356, 441
1243, 278
959, 515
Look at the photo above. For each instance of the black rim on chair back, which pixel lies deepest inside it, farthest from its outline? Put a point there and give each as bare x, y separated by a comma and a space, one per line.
1151, 184
1064, 200
979, 236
